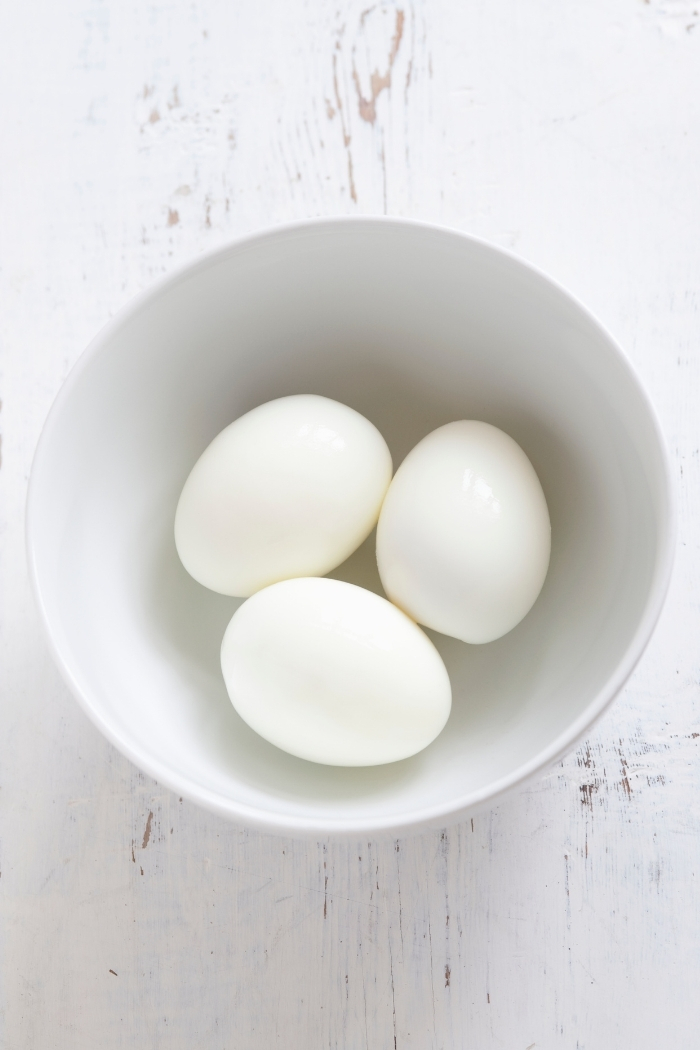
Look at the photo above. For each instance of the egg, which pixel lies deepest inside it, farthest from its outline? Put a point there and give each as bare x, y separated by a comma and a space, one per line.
464, 536
334, 673
292, 488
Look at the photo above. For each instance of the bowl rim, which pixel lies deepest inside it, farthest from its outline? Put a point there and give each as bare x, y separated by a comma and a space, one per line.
437, 815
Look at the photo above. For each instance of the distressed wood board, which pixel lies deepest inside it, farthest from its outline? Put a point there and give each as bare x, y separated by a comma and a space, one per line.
133, 137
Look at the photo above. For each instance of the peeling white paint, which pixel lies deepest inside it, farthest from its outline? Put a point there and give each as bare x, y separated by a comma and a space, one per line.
134, 136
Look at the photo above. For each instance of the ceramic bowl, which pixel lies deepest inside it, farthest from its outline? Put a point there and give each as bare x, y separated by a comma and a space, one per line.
413, 326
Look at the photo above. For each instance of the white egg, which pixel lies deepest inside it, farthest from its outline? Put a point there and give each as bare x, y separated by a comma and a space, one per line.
292, 488
463, 540
335, 674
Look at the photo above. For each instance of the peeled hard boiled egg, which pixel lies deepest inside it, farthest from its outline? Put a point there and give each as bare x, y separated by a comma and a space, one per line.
463, 540
333, 673
292, 488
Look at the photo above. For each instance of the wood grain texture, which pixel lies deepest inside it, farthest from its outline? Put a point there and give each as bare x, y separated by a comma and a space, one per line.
134, 136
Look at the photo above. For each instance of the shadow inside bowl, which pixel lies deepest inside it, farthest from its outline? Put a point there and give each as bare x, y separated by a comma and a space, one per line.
413, 328
187, 622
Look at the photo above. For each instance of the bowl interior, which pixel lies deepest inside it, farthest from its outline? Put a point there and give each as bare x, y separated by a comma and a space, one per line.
413, 327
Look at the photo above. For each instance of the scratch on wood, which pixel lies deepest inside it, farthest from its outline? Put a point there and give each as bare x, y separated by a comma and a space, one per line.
346, 136
147, 832
585, 760
432, 969
566, 883
447, 976
393, 996
398, 888
378, 81
625, 779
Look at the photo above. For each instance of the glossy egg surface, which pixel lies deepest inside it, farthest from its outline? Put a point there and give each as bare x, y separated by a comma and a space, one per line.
463, 540
289, 489
334, 673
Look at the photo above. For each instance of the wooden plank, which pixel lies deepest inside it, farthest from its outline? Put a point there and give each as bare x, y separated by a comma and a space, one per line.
134, 136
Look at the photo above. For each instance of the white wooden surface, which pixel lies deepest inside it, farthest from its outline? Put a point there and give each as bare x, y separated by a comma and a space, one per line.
134, 135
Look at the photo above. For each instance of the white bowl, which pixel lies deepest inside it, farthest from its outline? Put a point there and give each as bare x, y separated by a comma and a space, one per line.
413, 326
